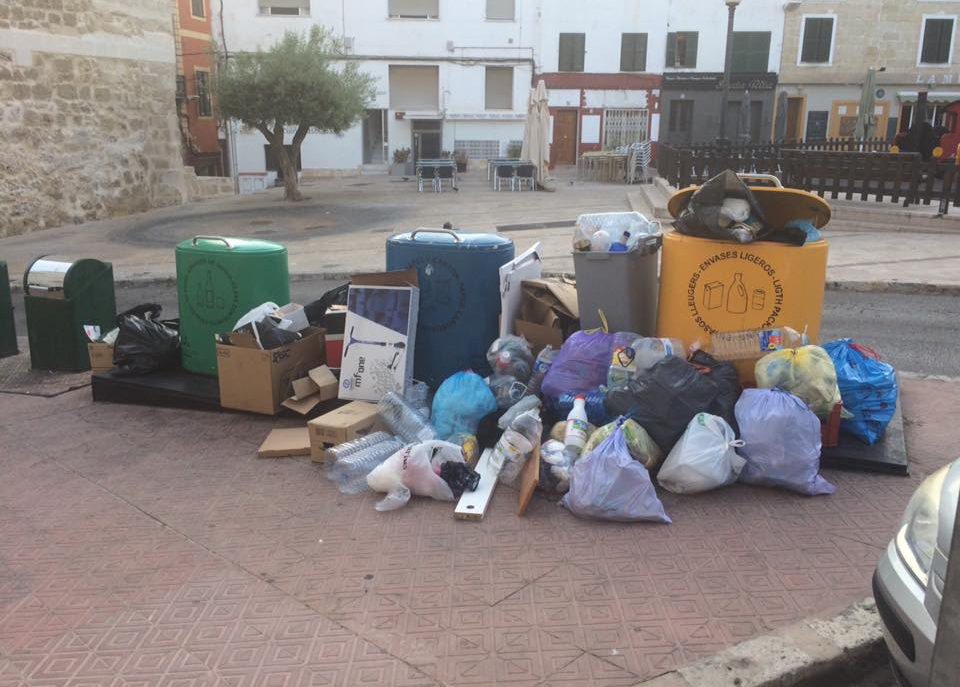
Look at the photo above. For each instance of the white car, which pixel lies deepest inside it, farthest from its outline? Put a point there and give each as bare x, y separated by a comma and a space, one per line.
908, 583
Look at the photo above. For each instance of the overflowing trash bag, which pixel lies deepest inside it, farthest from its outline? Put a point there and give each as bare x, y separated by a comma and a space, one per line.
414, 469
725, 375
806, 372
608, 484
705, 457
511, 356
781, 438
580, 367
460, 403
868, 387
723, 208
145, 343
666, 397
642, 448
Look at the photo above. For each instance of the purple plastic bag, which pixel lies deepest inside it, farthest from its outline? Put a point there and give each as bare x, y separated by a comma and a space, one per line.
582, 363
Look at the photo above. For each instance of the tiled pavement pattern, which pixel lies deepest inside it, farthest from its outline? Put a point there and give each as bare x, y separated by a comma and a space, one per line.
150, 547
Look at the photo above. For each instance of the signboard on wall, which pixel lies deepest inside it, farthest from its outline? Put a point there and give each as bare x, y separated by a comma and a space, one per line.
709, 81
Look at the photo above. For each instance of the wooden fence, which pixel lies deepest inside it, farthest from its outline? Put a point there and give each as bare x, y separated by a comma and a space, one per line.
879, 176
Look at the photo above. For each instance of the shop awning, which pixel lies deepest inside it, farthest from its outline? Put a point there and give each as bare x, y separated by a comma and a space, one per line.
933, 97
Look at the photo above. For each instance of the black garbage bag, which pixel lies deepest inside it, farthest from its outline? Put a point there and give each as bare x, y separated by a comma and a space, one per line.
727, 379
145, 343
315, 310
459, 477
269, 335
664, 399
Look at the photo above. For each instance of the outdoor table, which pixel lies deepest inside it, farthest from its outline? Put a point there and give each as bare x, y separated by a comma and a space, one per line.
494, 163
602, 166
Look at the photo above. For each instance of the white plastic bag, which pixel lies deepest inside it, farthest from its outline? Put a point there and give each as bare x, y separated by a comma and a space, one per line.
610, 485
781, 442
704, 458
414, 469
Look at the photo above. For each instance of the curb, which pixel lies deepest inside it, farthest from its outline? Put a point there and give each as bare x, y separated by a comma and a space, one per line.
811, 652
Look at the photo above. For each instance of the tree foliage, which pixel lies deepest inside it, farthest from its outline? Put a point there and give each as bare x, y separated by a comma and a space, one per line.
301, 81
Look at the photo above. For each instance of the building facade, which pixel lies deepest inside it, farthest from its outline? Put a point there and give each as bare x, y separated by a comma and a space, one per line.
196, 109
87, 115
828, 46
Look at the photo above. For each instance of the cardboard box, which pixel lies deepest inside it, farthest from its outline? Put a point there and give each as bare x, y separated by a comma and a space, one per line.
295, 314
281, 443
353, 420
380, 335
549, 313
259, 381
318, 386
101, 357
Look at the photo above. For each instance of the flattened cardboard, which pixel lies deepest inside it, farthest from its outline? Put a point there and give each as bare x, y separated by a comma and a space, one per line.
356, 419
281, 443
397, 278
101, 357
303, 406
259, 381
318, 386
326, 382
529, 478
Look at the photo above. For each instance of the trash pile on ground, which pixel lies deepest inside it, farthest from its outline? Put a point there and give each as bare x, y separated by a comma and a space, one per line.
462, 367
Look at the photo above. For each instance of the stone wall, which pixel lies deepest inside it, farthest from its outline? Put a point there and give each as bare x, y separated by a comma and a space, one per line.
87, 112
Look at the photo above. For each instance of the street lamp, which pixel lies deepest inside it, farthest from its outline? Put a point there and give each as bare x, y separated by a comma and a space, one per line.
728, 58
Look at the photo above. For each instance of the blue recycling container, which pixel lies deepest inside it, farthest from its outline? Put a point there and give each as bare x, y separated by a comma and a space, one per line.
459, 297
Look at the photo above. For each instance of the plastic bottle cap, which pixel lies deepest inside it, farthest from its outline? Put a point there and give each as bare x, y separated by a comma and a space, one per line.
581, 397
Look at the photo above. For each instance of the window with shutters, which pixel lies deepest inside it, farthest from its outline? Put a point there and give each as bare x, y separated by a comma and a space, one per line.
681, 115
197, 8
204, 102
751, 51
633, 52
285, 8
498, 93
414, 88
571, 52
816, 40
936, 43
624, 127
414, 9
682, 49
501, 10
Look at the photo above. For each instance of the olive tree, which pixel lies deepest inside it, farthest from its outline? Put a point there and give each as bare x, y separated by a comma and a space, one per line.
300, 82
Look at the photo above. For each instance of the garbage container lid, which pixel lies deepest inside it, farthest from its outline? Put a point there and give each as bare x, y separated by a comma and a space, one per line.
448, 239
225, 244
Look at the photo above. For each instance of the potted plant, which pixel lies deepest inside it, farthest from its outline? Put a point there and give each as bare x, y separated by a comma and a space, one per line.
461, 157
402, 164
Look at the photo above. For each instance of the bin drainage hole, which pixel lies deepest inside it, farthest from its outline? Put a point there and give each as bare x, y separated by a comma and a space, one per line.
469, 507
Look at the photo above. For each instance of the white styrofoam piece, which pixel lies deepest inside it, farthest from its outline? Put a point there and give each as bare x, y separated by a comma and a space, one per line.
473, 504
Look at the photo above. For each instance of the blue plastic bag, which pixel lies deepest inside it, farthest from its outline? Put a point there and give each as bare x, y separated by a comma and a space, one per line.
781, 438
460, 403
608, 484
868, 388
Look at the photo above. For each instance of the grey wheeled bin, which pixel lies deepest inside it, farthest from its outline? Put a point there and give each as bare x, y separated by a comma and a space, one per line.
624, 286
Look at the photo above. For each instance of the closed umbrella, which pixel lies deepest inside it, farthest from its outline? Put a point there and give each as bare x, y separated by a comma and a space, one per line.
780, 124
535, 131
866, 122
743, 119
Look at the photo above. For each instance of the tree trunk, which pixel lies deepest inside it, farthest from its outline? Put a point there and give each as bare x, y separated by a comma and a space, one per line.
291, 186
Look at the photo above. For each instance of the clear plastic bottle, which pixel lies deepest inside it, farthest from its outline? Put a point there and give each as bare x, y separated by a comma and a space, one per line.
600, 241
523, 405
404, 420
516, 445
576, 435
623, 367
350, 474
649, 350
341, 451
540, 368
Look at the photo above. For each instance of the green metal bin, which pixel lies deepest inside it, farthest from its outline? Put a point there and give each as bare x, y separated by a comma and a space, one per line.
8, 329
60, 296
219, 280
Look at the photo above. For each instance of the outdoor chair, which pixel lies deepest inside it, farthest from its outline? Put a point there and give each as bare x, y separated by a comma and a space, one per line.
504, 172
424, 174
445, 173
528, 174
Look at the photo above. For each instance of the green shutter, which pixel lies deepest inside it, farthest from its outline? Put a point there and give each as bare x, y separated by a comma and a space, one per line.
579, 47
571, 52
671, 49
640, 53
566, 53
936, 41
626, 52
690, 59
633, 52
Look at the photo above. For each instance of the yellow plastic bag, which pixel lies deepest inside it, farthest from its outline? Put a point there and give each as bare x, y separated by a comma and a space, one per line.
806, 372
641, 447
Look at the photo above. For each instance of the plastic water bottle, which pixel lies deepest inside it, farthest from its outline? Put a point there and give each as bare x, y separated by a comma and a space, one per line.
341, 451
623, 367
516, 444
350, 474
648, 351
600, 241
540, 368
575, 437
523, 405
622, 245
404, 420
418, 396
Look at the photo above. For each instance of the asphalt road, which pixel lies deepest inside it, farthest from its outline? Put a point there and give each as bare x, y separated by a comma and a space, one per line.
914, 333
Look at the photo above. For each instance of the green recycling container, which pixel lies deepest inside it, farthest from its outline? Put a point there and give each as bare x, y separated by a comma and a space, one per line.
218, 281
8, 330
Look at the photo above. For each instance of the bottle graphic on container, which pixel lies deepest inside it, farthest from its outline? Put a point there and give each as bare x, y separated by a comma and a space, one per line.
737, 295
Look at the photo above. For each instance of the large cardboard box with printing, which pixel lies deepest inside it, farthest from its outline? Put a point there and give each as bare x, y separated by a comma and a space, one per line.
260, 381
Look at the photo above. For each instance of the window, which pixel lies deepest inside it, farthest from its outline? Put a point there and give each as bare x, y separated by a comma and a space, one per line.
937, 40
681, 115
197, 8
624, 127
414, 88
633, 52
816, 45
414, 9
751, 51
571, 52
204, 105
499, 88
285, 7
501, 10
682, 49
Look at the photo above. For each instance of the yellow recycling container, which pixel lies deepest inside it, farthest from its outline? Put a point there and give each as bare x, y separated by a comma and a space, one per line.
720, 286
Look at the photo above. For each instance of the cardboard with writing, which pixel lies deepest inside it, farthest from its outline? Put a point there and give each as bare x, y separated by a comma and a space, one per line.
356, 419
101, 357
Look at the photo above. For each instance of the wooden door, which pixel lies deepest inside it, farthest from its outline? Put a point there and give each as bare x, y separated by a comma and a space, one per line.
795, 118
565, 137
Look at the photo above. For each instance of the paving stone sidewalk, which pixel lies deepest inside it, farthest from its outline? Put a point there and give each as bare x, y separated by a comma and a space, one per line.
143, 546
